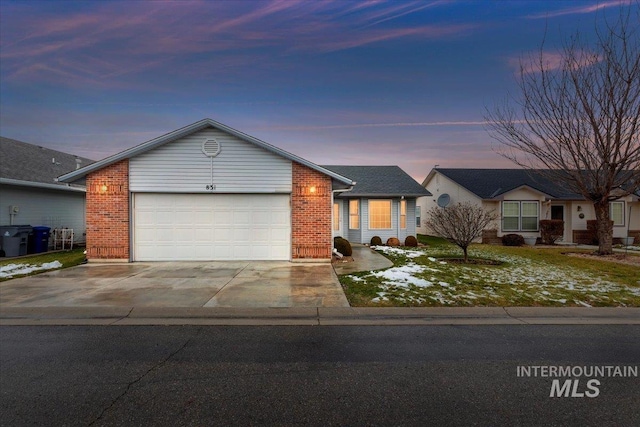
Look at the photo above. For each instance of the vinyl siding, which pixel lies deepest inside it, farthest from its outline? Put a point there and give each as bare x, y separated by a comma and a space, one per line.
40, 207
182, 167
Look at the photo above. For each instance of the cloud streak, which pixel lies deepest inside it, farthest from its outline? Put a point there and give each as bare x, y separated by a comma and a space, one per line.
581, 10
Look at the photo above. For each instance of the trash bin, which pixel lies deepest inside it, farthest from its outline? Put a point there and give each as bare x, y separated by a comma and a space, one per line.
41, 239
15, 239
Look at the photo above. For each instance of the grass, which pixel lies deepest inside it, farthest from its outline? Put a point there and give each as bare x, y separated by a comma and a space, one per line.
527, 276
66, 258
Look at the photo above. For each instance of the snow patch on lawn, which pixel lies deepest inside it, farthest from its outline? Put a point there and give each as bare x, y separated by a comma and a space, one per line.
10, 270
403, 276
398, 251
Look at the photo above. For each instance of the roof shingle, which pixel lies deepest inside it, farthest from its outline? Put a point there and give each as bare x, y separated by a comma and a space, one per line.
379, 181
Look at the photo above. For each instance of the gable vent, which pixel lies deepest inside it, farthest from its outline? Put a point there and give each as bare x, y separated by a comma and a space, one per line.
211, 147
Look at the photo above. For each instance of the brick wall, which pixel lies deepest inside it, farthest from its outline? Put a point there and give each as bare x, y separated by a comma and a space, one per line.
108, 213
311, 214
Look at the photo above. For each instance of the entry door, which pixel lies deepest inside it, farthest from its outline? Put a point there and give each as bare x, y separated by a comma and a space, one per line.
337, 219
557, 212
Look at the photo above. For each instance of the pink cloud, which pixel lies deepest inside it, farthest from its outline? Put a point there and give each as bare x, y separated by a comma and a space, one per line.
582, 9
551, 61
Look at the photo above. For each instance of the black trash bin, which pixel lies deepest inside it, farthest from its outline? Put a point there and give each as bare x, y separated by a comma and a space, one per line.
41, 239
15, 239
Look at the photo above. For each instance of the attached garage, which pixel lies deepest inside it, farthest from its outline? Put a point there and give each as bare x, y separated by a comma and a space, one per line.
207, 192
201, 227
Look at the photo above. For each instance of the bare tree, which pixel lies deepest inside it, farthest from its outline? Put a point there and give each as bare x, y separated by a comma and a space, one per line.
460, 223
577, 118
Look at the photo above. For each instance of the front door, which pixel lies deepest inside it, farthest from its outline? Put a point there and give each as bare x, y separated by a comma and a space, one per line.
557, 212
337, 219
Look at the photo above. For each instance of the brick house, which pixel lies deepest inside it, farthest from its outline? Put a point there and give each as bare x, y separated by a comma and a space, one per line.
208, 192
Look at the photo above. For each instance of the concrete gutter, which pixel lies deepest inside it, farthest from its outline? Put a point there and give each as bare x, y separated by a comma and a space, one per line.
101, 315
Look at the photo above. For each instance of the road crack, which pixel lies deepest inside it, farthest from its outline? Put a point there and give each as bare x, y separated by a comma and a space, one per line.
137, 380
513, 317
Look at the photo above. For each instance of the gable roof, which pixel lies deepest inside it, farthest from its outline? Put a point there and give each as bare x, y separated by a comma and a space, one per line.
35, 166
491, 183
379, 181
187, 130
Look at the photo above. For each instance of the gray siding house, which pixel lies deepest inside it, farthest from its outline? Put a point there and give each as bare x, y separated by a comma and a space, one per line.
382, 203
30, 193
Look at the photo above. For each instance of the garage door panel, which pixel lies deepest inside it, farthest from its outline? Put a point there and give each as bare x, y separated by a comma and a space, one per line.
211, 227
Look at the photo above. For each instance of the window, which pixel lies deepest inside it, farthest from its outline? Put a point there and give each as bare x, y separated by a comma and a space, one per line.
379, 214
336, 217
520, 216
616, 212
418, 216
529, 220
354, 214
403, 214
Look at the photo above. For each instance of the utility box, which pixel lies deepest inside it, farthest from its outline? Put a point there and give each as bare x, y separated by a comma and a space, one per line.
41, 239
15, 239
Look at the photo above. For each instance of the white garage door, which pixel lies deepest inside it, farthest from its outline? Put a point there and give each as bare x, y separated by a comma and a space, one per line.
205, 227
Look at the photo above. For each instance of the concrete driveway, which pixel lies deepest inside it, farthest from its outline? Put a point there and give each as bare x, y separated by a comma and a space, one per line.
180, 284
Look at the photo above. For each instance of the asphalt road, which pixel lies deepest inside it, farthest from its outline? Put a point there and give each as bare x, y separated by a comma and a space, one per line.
318, 375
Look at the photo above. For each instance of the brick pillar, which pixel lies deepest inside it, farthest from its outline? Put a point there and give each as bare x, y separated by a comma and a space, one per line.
311, 236
108, 213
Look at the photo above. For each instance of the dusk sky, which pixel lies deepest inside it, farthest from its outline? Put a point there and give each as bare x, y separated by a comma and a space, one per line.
365, 83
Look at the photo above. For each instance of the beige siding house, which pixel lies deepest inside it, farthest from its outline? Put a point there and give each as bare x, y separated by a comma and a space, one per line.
522, 199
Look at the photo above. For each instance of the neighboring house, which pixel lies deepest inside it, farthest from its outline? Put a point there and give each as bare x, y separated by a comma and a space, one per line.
522, 198
208, 192
382, 203
30, 193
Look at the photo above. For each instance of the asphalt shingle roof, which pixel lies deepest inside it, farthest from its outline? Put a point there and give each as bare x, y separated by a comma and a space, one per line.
490, 183
27, 162
382, 181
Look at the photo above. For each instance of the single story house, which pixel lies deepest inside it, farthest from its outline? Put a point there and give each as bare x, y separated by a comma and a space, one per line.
522, 198
208, 192
30, 193
381, 203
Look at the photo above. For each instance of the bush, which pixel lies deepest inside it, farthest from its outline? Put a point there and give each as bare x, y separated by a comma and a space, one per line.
376, 241
393, 241
512, 240
343, 246
551, 230
411, 241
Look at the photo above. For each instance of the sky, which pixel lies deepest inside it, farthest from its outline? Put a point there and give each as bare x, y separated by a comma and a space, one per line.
402, 83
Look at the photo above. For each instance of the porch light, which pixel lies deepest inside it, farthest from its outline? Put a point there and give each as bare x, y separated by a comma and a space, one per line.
312, 189
103, 188
579, 208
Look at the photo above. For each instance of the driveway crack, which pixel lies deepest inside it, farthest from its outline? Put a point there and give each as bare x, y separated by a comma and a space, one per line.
132, 383
225, 285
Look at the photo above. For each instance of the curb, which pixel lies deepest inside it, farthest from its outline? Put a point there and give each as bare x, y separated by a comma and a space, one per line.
97, 315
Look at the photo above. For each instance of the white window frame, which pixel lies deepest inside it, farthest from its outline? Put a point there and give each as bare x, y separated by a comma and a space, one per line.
520, 215
403, 214
354, 214
418, 216
617, 202
374, 201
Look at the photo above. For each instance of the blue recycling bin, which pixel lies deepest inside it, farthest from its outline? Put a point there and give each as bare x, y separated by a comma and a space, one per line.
41, 239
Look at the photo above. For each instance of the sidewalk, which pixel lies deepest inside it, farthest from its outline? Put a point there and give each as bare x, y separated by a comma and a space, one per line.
318, 316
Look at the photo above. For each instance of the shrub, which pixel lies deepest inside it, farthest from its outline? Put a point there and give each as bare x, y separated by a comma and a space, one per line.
343, 246
393, 241
411, 241
376, 241
551, 230
512, 240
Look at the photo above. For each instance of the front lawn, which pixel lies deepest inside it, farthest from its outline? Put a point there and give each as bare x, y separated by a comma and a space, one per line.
527, 276
26, 266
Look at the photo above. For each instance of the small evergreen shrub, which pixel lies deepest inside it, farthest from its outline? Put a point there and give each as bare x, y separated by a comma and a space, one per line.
376, 241
343, 246
512, 240
393, 241
411, 241
551, 230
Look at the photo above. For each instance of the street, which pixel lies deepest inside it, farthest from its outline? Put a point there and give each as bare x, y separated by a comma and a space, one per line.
311, 375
